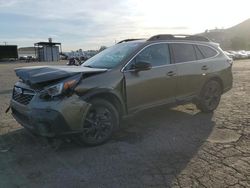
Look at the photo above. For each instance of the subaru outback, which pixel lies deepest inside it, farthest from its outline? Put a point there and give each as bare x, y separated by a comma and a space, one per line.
90, 100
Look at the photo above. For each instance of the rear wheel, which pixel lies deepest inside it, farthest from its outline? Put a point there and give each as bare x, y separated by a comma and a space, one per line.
99, 123
210, 96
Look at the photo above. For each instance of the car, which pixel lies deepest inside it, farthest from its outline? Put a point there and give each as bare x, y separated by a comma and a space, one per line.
231, 55
88, 102
248, 54
241, 54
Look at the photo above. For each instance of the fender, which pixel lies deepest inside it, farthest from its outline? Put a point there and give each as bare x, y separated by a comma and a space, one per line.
106, 92
216, 78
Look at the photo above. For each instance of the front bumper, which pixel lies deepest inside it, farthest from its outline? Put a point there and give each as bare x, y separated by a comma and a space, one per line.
51, 118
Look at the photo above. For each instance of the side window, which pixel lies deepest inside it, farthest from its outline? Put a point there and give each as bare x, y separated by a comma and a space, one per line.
207, 51
183, 52
199, 55
157, 55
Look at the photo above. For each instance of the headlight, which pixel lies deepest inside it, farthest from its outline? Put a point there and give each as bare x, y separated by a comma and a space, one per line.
59, 88
54, 90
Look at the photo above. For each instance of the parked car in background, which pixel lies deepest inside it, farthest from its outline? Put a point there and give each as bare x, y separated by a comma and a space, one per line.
89, 101
231, 55
241, 54
248, 54
27, 58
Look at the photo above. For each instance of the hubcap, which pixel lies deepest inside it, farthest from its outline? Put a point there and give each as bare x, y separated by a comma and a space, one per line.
212, 95
98, 124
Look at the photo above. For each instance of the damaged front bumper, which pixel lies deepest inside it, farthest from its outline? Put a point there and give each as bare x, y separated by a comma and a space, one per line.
51, 118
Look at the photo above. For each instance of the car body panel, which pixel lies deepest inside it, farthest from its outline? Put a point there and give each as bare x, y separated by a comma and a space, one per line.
190, 77
44, 117
157, 87
39, 74
222, 70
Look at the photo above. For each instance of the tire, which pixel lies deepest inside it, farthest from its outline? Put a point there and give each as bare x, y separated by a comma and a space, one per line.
99, 123
210, 95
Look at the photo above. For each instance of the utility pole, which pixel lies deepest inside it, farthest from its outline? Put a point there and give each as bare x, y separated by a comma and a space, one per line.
5, 43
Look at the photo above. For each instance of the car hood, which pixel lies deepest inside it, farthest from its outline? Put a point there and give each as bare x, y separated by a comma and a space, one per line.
40, 74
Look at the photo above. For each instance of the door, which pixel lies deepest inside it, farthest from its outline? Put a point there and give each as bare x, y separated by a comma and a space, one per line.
151, 87
192, 69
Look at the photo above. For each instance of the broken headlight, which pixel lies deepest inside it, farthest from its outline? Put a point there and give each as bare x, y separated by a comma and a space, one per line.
65, 87
54, 90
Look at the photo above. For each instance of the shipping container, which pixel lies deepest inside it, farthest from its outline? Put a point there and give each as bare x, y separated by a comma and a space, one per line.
8, 51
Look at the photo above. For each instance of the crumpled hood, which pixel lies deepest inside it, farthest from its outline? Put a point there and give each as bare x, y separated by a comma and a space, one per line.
39, 74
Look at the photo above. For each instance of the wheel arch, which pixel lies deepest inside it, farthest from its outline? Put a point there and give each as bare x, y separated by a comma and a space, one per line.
111, 96
199, 101
215, 78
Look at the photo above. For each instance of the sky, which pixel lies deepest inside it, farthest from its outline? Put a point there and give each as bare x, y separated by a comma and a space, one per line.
89, 24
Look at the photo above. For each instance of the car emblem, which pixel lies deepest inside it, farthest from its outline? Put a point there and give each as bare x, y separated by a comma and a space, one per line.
18, 90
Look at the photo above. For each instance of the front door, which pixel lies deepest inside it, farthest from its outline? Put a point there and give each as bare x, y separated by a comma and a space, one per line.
151, 87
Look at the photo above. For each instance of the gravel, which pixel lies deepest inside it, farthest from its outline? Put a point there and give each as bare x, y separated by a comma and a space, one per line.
161, 147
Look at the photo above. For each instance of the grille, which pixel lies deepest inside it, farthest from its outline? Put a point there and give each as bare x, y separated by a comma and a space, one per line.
23, 96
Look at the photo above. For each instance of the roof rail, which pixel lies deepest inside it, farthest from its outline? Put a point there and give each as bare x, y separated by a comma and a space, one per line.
127, 40
179, 37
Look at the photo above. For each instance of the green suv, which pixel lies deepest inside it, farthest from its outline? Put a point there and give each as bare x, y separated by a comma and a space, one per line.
89, 101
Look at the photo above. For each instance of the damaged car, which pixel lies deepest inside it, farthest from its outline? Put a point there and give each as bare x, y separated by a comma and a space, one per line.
89, 101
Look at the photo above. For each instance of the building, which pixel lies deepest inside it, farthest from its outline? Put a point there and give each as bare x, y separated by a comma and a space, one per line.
26, 52
48, 51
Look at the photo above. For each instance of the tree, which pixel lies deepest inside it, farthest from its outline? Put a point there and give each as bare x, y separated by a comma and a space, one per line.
102, 48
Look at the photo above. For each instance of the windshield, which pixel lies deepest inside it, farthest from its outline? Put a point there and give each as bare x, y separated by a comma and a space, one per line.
112, 56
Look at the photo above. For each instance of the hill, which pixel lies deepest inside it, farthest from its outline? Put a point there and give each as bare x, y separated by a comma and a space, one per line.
234, 38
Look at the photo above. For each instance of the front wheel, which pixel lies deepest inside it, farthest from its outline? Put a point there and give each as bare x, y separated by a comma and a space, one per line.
99, 123
210, 96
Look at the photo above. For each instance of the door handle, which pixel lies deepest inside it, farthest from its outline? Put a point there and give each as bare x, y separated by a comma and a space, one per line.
204, 67
171, 73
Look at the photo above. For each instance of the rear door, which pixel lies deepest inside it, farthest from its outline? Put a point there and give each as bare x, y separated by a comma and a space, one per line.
152, 87
192, 69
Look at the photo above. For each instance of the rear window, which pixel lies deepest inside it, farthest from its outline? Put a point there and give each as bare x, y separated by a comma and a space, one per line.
183, 52
207, 51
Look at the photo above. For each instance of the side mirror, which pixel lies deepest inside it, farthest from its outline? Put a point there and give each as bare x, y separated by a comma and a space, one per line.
142, 66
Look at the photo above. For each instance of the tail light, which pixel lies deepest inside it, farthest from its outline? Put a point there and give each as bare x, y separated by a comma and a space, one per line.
230, 61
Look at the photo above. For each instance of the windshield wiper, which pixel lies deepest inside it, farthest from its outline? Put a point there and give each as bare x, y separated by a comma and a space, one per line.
88, 66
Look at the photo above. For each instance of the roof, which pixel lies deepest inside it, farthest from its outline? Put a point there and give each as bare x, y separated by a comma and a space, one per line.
7, 45
22, 49
47, 43
170, 37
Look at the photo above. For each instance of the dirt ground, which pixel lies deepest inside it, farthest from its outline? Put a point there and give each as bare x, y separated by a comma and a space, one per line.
178, 147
